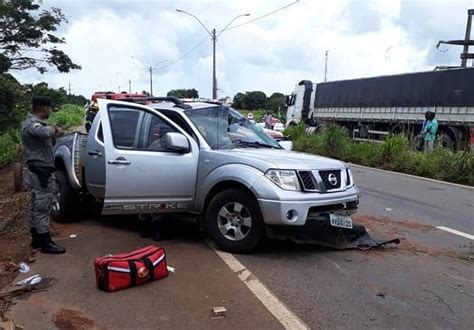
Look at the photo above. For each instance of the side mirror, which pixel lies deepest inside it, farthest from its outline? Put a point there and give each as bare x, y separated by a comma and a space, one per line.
287, 145
177, 142
287, 100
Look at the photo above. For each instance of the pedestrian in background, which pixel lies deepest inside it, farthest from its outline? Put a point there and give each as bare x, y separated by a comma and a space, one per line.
268, 120
429, 130
38, 139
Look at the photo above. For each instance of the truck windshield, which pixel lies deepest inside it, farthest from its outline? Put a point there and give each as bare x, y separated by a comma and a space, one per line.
225, 128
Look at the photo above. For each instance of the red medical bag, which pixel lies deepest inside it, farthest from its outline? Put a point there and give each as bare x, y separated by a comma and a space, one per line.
121, 271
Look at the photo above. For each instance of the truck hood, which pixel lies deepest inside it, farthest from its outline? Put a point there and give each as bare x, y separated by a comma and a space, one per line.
282, 159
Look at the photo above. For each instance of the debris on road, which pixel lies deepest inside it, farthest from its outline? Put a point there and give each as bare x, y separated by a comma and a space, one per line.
219, 311
322, 233
381, 295
388, 209
72, 236
23, 267
32, 280
170, 269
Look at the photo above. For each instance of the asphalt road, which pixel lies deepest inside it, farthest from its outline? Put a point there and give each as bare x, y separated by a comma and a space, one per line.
425, 282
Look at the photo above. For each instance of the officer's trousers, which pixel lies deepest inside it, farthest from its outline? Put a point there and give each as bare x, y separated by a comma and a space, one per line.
41, 202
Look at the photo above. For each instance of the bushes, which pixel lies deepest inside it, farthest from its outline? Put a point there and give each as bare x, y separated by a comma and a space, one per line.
9, 146
69, 115
393, 154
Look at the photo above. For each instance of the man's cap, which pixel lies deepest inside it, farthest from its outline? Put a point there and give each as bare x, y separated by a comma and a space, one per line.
42, 101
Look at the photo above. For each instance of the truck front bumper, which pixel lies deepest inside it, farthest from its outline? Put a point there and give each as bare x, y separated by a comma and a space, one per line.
297, 211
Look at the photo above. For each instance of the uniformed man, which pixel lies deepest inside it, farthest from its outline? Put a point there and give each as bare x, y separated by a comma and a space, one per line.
38, 140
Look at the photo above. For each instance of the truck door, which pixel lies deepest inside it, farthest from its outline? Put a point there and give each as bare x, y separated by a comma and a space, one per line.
142, 174
95, 159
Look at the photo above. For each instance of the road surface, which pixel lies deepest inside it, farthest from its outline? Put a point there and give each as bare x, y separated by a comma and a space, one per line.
425, 282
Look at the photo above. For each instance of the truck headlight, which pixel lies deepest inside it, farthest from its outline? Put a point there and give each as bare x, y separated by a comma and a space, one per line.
349, 178
285, 179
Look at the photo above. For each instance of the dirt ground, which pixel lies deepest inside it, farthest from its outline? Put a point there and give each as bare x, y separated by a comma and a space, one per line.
14, 230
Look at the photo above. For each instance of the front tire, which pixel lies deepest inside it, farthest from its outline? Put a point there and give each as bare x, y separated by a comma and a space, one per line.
234, 221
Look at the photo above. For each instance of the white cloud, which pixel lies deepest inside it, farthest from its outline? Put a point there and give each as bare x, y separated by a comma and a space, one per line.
272, 54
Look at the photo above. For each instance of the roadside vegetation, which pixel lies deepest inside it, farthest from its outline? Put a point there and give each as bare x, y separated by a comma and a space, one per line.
395, 153
68, 116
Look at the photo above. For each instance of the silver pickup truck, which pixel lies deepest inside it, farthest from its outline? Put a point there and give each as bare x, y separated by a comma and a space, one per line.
205, 159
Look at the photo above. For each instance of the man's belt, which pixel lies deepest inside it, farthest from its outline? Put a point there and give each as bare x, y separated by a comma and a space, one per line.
43, 173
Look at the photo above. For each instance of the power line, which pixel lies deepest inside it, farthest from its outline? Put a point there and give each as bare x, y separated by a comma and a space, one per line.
263, 16
184, 55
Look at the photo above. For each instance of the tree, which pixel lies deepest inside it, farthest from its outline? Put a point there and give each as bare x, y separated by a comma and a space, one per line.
250, 100
184, 93
238, 101
276, 102
27, 39
14, 102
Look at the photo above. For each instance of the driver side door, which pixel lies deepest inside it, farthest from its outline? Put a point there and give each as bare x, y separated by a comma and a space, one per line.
142, 175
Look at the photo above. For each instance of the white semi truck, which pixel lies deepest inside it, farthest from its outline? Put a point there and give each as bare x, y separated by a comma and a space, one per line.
374, 107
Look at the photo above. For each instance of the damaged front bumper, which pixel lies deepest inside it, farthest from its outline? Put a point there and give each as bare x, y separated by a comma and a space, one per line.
296, 209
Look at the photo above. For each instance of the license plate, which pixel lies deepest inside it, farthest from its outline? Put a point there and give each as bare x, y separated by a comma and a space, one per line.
340, 221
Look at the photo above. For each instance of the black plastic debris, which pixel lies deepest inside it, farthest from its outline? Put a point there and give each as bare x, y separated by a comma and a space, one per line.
321, 232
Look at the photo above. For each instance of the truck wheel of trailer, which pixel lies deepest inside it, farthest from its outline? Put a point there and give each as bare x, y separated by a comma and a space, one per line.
234, 221
66, 207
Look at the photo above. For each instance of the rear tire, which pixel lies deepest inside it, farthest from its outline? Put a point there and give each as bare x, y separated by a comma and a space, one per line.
68, 206
234, 221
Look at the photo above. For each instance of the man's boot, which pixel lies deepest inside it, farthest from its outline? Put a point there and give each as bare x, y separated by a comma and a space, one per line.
35, 241
48, 246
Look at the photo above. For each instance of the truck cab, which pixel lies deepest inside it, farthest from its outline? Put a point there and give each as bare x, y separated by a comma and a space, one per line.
204, 159
300, 102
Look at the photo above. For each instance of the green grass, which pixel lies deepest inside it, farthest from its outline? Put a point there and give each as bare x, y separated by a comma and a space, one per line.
69, 115
395, 154
9, 146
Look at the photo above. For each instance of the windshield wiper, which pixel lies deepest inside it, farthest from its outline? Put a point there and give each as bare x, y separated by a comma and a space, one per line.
255, 144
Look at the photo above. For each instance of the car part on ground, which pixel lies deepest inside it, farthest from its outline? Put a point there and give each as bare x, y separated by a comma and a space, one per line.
322, 232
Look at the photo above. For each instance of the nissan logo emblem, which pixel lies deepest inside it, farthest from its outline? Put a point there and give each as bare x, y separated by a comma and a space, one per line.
332, 179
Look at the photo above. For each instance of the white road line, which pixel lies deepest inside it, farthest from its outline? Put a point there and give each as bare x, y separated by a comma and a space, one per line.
287, 318
456, 232
413, 176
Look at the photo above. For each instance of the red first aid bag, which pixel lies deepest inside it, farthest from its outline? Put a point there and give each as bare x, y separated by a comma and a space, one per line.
121, 271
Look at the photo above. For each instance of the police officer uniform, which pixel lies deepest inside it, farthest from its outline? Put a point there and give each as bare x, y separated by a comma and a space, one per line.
37, 140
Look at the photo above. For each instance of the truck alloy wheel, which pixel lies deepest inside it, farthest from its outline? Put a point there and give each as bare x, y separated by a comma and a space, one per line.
234, 222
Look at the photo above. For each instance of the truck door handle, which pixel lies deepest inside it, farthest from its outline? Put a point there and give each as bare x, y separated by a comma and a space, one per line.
95, 153
119, 161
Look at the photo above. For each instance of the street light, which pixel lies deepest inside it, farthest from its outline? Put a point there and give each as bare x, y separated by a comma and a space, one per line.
214, 39
150, 69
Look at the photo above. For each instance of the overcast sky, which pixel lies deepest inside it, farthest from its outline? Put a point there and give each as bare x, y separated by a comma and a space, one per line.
364, 38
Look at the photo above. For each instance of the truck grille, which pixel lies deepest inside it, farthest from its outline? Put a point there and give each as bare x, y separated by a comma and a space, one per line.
307, 180
331, 179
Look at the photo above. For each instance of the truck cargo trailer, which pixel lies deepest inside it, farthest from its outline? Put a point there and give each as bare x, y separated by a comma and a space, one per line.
374, 107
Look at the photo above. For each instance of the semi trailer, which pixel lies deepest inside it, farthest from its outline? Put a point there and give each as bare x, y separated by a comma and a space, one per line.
371, 108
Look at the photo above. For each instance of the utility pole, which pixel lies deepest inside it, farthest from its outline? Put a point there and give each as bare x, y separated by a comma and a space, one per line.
69, 88
151, 80
465, 55
467, 37
130, 86
214, 39
214, 79
326, 67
